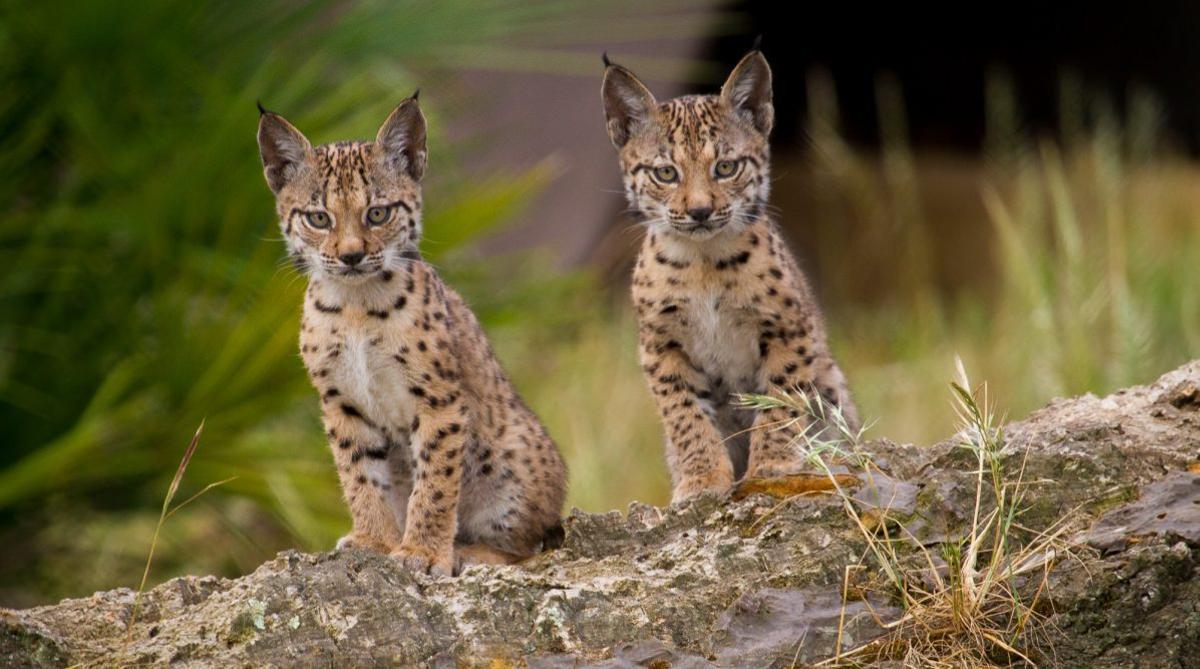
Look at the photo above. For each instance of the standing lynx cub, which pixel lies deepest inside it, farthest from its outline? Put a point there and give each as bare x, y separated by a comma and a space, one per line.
722, 306
440, 461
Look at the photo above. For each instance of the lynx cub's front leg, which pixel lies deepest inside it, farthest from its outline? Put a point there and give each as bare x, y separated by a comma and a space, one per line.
359, 453
786, 365
722, 307
696, 453
439, 433
440, 461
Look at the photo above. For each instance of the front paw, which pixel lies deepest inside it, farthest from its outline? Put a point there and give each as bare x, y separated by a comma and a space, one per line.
425, 560
364, 542
717, 480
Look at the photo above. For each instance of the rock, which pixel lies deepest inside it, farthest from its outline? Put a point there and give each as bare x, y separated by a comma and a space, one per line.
717, 582
1168, 508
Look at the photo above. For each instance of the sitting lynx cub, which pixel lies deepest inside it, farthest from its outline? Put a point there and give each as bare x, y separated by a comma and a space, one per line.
440, 461
722, 306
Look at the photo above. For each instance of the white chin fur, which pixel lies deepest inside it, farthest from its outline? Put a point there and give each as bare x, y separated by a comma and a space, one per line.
698, 234
347, 279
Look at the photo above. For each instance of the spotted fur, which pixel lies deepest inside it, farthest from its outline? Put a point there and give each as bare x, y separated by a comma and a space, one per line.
439, 459
722, 306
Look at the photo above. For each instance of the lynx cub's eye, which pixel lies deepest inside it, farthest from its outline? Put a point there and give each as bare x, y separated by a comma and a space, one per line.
378, 215
666, 174
725, 168
317, 219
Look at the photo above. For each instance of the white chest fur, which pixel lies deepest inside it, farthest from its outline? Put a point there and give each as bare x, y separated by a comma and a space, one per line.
722, 339
362, 358
370, 376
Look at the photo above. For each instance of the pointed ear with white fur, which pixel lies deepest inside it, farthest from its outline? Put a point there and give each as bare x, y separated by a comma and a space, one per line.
627, 103
282, 147
401, 139
748, 91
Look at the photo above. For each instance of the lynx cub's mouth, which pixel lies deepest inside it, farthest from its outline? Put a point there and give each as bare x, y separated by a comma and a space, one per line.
700, 230
357, 274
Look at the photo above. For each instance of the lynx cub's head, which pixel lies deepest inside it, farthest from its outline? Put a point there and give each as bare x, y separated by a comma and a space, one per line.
348, 210
695, 165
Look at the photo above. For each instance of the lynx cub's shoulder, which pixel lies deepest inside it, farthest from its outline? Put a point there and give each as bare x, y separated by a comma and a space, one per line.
440, 461
722, 305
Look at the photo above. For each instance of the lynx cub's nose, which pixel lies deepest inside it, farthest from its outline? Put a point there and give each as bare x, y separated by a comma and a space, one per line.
352, 259
700, 214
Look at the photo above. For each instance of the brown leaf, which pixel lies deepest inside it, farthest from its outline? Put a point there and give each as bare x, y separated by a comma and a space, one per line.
782, 487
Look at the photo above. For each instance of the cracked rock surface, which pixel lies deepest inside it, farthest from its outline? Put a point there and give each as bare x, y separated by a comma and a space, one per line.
714, 583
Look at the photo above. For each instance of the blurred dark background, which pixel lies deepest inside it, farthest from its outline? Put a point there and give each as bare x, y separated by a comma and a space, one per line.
1014, 184
943, 55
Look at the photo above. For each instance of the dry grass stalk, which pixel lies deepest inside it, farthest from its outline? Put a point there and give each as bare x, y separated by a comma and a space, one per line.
977, 603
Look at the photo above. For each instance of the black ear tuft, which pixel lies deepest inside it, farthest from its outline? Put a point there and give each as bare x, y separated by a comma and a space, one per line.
604, 57
416, 94
261, 109
757, 46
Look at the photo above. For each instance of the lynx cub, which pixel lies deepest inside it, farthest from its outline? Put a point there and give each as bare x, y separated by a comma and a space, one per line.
440, 461
722, 306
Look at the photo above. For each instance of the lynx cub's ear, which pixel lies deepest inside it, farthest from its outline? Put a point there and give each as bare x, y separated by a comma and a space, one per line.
283, 149
748, 91
401, 139
627, 103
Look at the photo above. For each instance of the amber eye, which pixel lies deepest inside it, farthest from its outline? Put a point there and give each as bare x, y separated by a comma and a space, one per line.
318, 219
378, 215
666, 174
725, 168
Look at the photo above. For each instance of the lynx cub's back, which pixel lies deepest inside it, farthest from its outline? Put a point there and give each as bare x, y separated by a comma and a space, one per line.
722, 305
440, 461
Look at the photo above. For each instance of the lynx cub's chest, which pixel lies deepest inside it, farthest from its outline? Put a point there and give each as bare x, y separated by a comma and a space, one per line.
722, 340
359, 357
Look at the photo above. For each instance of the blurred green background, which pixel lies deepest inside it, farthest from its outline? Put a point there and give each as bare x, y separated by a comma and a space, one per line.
143, 287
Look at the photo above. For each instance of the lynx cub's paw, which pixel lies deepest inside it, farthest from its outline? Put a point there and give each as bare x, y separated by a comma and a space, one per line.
718, 481
424, 560
363, 542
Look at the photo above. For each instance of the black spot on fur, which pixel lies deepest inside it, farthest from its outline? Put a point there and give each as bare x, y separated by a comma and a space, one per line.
733, 261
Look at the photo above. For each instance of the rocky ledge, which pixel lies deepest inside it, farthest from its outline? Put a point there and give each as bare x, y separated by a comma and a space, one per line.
752, 581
